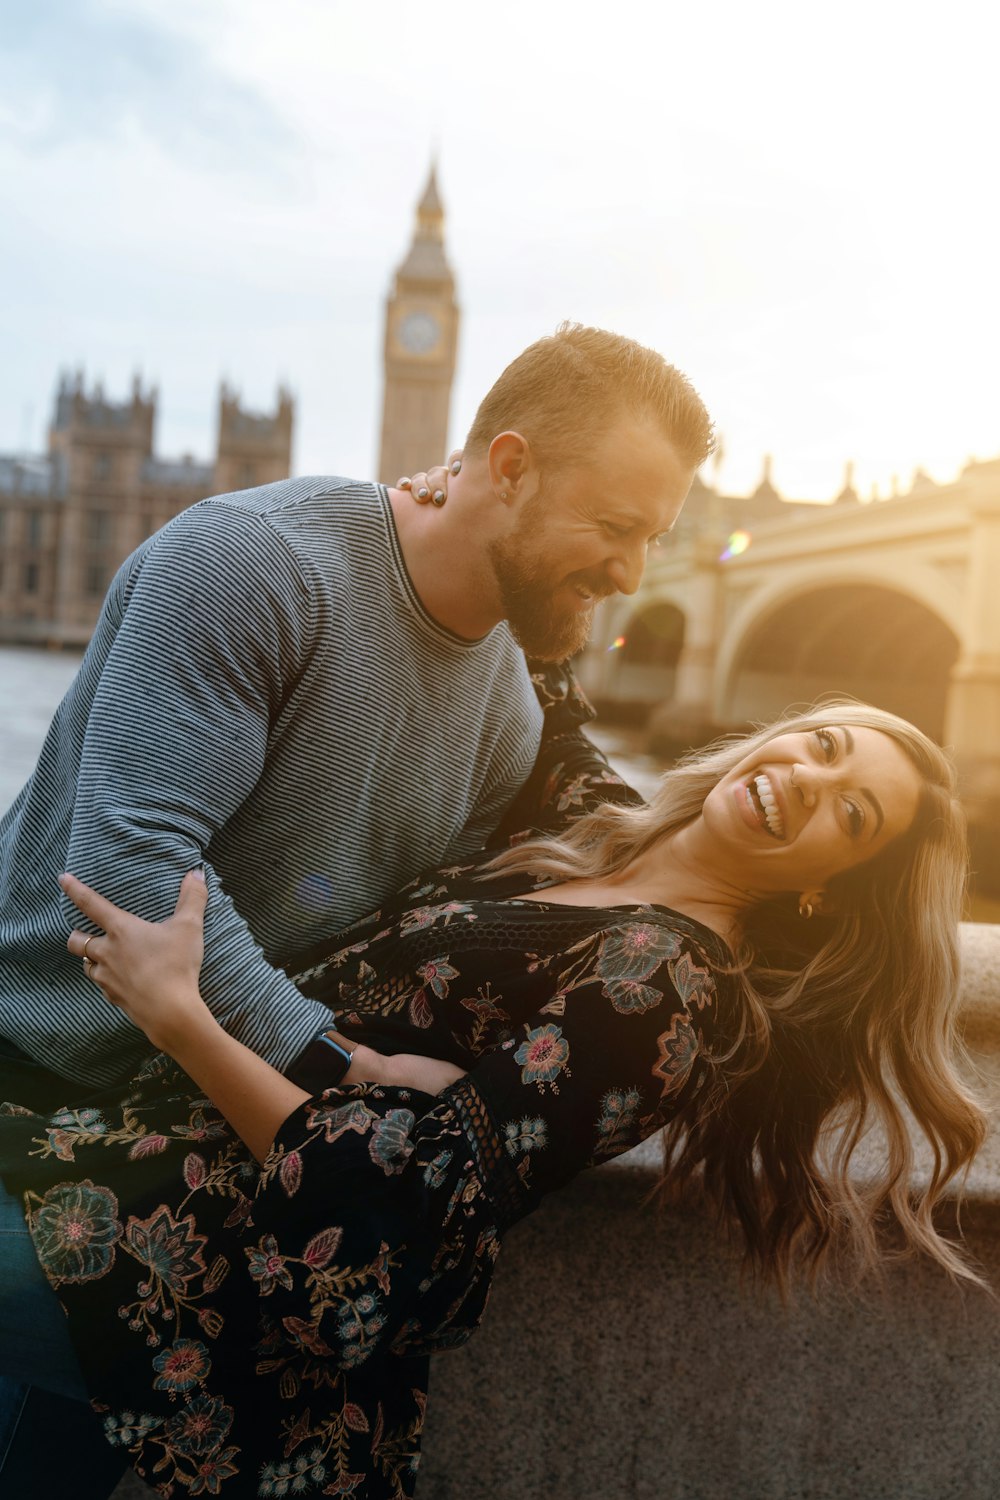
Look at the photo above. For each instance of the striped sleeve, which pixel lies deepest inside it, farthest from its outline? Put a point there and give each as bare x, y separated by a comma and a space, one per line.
218, 625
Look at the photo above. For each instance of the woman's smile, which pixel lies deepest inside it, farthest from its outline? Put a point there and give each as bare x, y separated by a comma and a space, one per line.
762, 804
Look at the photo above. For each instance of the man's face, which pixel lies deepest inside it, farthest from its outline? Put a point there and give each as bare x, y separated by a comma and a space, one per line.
584, 533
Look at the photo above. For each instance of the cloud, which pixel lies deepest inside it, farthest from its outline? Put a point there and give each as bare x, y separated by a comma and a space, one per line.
75, 71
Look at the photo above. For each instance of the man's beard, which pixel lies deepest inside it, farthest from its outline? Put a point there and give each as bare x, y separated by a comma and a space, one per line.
525, 579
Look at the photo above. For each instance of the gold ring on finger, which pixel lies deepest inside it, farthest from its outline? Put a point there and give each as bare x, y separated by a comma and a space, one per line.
87, 944
88, 967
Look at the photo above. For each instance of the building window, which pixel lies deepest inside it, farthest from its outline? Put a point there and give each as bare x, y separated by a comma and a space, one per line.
100, 526
31, 578
35, 527
102, 466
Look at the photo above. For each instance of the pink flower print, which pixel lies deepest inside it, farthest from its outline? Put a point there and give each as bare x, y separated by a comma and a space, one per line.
436, 974
181, 1367
267, 1266
75, 1229
200, 1429
542, 1055
636, 950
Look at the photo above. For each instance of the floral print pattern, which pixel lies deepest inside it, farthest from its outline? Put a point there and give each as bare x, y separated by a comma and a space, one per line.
253, 1330
75, 1229
543, 1055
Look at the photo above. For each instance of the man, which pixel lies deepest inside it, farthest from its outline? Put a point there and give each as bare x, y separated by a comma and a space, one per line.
316, 688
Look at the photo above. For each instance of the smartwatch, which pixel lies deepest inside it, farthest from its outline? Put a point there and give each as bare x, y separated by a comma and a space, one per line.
322, 1064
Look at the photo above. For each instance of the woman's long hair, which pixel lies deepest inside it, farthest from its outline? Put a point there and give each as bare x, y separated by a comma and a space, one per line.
844, 1023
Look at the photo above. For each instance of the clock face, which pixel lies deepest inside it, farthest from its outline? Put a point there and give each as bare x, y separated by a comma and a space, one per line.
419, 332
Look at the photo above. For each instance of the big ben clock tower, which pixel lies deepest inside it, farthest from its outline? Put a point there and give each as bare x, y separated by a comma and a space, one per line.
421, 331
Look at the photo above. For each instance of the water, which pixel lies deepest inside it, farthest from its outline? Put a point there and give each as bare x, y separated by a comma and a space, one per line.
32, 683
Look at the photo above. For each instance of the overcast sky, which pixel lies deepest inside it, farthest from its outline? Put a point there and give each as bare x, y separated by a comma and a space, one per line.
797, 204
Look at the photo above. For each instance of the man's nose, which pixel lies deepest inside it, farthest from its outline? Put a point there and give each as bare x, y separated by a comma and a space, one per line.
625, 569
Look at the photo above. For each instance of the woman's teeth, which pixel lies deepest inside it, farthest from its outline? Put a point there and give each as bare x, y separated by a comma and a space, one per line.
769, 805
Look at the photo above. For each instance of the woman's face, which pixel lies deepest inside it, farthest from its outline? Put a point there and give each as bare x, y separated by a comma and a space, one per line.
811, 804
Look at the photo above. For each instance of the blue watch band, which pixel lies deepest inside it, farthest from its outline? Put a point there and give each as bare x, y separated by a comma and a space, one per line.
322, 1065
344, 1052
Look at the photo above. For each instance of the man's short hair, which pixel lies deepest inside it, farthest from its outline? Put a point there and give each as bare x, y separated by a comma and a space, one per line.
564, 392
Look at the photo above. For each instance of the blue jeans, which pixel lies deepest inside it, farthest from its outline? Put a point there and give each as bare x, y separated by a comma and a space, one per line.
35, 1346
42, 1394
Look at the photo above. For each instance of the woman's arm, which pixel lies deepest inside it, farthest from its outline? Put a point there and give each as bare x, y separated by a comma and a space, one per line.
150, 970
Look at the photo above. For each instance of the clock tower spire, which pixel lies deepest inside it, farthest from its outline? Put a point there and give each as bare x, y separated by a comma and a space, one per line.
421, 331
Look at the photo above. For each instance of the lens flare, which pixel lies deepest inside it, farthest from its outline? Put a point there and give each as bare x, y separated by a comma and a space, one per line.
738, 542
617, 643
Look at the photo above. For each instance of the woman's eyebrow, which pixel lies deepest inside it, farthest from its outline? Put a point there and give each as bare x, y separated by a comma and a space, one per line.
865, 791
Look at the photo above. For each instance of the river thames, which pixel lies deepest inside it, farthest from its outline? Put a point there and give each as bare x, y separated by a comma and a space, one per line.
32, 682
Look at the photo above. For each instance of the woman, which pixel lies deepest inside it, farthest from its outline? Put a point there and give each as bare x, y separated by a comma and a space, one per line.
767, 950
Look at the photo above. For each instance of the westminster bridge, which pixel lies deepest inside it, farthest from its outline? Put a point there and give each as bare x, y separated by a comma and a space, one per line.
896, 602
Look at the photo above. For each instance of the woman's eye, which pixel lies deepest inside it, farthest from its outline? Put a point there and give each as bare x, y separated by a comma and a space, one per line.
855, 819
827, 743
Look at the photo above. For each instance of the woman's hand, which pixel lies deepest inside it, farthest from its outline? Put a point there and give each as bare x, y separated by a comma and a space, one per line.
149, 969
406, 1070
432, 484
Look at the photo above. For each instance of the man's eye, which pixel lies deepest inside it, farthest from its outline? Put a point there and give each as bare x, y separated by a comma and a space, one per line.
613, 528
827, 743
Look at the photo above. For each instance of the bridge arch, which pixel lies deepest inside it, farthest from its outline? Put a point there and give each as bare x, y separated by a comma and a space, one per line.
644, 642
857, 632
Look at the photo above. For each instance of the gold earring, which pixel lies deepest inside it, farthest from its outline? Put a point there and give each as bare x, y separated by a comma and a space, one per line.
805, 909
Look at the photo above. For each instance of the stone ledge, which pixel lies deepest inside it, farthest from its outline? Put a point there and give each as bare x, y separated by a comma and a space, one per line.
621, 1357
981, 983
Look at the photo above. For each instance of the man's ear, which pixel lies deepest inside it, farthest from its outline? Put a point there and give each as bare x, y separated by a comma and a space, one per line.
509, 460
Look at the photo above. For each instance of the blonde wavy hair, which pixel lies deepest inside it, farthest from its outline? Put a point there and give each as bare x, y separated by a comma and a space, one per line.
844, 1023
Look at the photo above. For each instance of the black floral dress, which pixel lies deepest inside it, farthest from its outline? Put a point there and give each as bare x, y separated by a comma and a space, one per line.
265, 1331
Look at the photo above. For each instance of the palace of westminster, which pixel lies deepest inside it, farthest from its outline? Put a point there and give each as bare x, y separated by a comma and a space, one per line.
69, 517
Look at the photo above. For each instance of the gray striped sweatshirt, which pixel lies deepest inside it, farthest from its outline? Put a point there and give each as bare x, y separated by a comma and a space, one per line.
265, 691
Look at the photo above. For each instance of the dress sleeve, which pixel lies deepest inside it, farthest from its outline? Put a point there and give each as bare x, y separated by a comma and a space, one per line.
596, 1070
411, 1194
217, 622
570, 775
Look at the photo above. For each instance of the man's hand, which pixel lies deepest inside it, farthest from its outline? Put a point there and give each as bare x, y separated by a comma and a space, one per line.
432, 484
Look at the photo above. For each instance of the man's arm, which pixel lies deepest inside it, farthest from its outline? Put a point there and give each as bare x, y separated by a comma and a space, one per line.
218, 624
